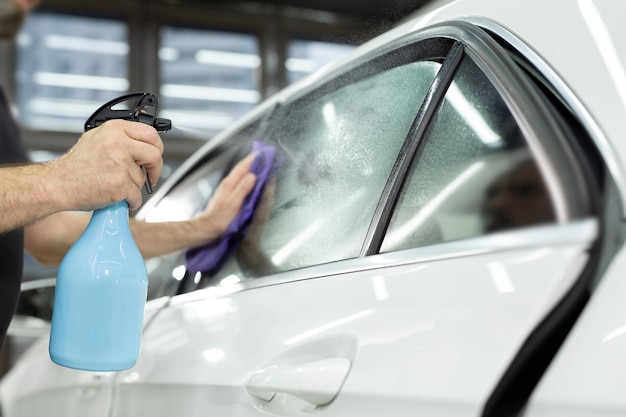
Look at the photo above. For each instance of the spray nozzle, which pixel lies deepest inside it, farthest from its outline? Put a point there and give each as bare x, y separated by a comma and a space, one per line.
136, 107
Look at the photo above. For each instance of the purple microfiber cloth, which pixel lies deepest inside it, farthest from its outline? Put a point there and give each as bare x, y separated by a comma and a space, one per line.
211, 257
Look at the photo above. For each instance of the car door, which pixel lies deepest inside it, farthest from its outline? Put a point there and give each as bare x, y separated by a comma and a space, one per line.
36, 386
428, 218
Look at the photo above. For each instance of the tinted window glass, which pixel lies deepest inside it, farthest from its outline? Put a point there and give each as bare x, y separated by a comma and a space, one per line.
335, 151
473, 174
335, 148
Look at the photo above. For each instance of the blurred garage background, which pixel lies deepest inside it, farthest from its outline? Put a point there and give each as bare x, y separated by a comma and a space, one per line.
209, 61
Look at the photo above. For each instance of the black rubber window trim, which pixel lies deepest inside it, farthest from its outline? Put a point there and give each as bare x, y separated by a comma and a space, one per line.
384, 210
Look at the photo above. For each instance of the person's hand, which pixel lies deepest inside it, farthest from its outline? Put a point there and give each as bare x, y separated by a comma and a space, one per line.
227, 200
104, 166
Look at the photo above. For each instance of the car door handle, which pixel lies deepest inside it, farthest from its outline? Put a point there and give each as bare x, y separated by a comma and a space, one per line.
317, 382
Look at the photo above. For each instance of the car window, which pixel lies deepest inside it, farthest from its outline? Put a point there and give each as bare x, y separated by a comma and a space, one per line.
334, 148
337, 145
473, 173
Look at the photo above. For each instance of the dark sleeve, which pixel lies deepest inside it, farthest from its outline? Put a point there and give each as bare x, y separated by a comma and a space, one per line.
12, 243
11, 149
11, 265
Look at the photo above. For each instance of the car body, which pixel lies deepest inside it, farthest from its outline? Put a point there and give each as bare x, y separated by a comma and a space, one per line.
442, 234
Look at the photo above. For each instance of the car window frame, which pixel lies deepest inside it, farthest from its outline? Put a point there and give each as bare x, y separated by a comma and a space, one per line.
569, 188
432, 43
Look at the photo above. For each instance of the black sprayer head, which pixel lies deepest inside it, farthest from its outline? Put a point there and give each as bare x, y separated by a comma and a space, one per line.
137, 107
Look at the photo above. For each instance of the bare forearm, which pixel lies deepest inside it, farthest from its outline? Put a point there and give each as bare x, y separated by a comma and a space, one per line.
49, 240
27, 193
156, 239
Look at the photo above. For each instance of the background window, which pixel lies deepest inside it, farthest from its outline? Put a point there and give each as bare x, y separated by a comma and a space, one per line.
473, 174
208, 78
67, 67
304, 56
72, 57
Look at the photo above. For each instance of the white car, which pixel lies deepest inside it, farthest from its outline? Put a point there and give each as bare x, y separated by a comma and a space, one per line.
441, 234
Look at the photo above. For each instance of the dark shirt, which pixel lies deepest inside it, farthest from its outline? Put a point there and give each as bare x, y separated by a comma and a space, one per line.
11, 243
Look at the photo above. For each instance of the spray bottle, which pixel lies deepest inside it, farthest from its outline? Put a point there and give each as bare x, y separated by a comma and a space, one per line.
102, 281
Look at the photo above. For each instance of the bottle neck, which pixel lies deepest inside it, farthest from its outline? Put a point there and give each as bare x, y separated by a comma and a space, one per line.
113, 216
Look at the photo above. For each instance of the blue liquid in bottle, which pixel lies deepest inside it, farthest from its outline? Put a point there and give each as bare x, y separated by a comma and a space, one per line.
100, 297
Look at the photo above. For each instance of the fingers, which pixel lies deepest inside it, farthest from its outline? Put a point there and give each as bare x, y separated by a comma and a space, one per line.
240, 172
105, 164
146, 148
238, 183
228, 198
141, 132
138, 178
134, 199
